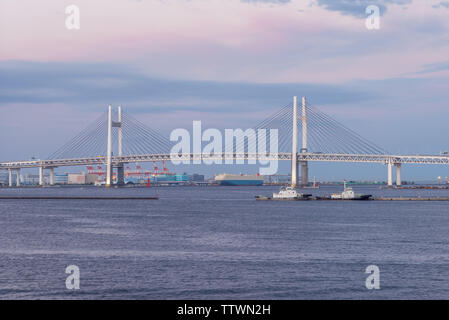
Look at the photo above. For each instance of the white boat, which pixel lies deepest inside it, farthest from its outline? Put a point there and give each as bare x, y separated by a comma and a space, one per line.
290, 193
349, 194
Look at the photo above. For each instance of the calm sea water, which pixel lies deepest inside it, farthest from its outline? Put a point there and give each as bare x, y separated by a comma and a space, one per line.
219, 243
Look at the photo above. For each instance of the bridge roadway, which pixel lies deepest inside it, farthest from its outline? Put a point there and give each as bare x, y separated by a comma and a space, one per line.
283, 156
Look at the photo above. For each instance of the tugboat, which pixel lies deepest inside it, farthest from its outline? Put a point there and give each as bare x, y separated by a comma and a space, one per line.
286, 193
349, 194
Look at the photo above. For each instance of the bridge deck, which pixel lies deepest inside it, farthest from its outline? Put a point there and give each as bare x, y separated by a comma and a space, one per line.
322, 157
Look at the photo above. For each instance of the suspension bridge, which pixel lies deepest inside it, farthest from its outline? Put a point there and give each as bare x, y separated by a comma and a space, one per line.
323, 139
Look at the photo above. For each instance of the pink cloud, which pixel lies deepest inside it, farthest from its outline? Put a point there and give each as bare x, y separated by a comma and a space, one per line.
225, 40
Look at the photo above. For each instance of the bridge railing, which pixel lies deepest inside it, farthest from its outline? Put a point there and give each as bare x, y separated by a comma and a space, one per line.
281, 156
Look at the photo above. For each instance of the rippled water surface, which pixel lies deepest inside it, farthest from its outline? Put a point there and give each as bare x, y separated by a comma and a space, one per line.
219, 243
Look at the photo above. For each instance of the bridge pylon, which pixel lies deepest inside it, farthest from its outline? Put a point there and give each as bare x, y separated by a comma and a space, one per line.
295, 143
295, 163
109, 167
120, 166
304, 164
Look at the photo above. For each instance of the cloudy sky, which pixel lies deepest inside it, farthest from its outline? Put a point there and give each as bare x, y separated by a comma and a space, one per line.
229, 63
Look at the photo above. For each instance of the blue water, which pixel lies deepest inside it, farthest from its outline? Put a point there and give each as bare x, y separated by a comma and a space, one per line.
219, 243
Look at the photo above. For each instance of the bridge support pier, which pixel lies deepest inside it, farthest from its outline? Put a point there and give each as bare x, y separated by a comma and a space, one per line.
304, 173
10, 177
18, 178
398, 174
390, 174
52, 176
41, 176
295, 176
121, 175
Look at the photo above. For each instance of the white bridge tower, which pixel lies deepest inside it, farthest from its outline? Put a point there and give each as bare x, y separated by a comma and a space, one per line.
304, 164
109, 154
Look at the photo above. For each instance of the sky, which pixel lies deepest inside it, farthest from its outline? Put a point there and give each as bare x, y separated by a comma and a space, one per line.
230, 64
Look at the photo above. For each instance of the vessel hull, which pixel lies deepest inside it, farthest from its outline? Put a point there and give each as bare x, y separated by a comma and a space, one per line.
240, 182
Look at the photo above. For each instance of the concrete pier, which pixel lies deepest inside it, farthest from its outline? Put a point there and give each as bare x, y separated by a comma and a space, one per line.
398, 174
41, 176
52, 176
411, 199
304, 173
74, 198
10, 177
390, 174
121, 175
18, 177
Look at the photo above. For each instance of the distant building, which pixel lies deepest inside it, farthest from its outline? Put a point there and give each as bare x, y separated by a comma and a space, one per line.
4, 177
196, 178
33, 179
76, 178
92, 178
278, 179
61, 178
